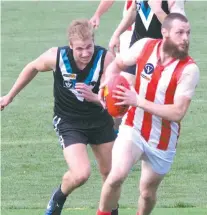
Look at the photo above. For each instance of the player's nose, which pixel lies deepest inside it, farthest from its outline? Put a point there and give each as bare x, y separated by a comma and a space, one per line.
85, 53
185, 37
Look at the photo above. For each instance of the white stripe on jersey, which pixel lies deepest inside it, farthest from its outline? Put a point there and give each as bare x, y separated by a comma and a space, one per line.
97, 70
160, 99
62, 67
146, 22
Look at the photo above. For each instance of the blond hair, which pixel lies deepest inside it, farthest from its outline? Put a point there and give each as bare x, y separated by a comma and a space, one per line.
80, 29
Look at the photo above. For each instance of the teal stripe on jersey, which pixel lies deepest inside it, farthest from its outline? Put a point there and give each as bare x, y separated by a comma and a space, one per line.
93, 69
66, 60
146, 11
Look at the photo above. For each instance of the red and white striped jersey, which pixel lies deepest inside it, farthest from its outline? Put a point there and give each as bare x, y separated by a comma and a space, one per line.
157, 84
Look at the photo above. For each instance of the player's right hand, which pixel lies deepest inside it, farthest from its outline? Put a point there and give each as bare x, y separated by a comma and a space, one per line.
4, 101
114, 44
95, 21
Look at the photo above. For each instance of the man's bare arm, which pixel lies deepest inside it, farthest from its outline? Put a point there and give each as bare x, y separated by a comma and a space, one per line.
183, 95
45, 62
127, 20
102, 8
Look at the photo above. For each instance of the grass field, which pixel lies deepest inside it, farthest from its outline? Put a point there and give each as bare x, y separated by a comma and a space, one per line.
31, 159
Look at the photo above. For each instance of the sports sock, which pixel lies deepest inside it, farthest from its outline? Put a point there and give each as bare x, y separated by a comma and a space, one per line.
114, 211
59, 196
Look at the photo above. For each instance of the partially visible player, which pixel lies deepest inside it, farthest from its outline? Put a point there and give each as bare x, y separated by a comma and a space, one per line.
125, 37
147, 17
79, 118
165, 82
103, 7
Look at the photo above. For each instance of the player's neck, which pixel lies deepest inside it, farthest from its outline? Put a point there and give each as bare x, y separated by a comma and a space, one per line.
81, 65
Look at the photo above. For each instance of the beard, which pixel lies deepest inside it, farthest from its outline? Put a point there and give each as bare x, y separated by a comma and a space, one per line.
173, 50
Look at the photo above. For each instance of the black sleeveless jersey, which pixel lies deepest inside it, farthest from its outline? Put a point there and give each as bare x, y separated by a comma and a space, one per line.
147, 23
69, 103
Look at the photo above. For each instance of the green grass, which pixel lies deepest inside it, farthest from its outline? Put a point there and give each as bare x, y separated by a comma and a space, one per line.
32, 161
158, 211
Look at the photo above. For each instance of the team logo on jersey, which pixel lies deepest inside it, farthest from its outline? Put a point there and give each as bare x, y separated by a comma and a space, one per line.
149, 68
69, 80
69, 76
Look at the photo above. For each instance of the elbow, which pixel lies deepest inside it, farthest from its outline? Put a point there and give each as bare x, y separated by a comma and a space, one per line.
178, 115
32, 67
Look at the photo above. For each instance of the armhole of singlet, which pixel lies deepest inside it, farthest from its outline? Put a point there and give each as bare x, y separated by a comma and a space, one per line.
57, 59
103, 60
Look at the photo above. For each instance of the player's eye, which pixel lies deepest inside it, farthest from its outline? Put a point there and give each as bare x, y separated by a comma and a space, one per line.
180, 32
88, 47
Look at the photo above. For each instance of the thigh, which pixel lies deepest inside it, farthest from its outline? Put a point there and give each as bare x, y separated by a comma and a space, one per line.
77, 159
149, 180
103, 154
125, 154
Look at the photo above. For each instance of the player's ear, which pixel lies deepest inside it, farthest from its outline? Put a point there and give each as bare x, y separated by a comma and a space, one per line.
70, 45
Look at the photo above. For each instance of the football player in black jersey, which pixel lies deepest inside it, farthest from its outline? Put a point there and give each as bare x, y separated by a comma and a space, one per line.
79, 118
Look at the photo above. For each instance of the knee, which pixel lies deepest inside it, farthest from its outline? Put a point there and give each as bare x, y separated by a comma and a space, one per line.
104, 172
78, 178
148, 195
81, 178
115, 180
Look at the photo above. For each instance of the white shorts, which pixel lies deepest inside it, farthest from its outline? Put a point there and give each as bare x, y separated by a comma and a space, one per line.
160, 161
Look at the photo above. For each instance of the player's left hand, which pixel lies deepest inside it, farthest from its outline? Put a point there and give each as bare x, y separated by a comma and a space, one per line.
86, 92
127, 97
95, 21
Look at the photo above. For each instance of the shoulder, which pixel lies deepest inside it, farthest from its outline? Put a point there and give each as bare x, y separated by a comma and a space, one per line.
141, 43
190, 74
191, 69
130, 56
52, 51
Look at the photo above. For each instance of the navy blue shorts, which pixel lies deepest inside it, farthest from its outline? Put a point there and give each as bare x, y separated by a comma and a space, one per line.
71, 133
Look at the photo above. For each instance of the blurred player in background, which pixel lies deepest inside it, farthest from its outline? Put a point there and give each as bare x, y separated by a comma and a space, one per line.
103, 7
125, 37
